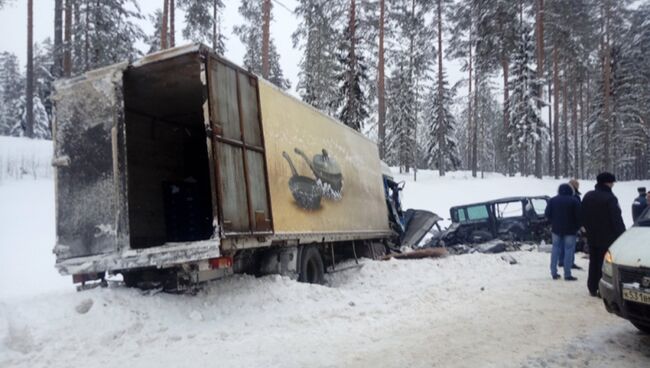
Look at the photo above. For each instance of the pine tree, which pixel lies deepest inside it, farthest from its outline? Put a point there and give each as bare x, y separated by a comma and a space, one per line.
353, 101
317, 36
526, 128
104, 32
11, 91
411, 53
250, 35
401, 118
442, 147
202, 22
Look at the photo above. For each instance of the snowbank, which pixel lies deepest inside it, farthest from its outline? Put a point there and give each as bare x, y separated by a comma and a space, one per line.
25, 158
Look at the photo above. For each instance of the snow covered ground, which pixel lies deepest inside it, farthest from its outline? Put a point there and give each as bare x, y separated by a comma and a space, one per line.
461, 311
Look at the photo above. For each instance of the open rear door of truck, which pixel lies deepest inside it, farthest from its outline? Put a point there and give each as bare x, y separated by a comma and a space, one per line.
89, 157
242, 185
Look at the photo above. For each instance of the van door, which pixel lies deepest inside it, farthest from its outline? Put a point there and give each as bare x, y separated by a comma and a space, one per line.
242, 186
89, 160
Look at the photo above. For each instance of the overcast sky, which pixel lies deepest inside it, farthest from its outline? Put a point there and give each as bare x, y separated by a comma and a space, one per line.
13, 31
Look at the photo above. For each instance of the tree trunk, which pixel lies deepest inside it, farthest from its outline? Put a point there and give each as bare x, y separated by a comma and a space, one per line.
87, 41
574, 117
505, 65
442, 144
215, 36
475, 127
163, 28
172, 29
67, 54
29, 103
266, 35
565, 125
539, 19
607, 91
550, 130
57, 67
381, 93
469, 102
556, 115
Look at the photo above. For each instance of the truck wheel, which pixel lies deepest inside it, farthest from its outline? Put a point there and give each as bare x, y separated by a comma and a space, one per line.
642, 327
311, 266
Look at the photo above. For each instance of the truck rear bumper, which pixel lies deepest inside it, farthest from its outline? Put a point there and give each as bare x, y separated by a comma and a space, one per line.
160, 257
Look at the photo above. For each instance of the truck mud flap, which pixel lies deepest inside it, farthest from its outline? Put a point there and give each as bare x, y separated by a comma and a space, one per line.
418, 224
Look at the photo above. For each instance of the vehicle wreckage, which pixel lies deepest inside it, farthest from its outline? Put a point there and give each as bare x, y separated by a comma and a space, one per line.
504, 224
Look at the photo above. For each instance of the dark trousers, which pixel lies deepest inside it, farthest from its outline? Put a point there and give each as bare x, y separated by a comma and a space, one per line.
596, 257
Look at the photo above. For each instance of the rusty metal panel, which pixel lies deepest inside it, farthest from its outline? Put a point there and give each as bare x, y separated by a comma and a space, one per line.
224, 101
234, 201
249, 110
91, 209
258, 192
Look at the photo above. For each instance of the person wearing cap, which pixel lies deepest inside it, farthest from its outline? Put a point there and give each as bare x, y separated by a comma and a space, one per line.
601, 218
640, 203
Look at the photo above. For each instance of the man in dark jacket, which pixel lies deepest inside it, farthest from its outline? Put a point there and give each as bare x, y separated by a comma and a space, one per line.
639, 204
563, 212
601, 217
575, 185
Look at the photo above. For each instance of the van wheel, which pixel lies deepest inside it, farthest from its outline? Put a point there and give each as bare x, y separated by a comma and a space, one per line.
311, 266
642, 327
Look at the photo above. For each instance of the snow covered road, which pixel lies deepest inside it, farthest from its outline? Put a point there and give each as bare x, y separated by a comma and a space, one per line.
461, 311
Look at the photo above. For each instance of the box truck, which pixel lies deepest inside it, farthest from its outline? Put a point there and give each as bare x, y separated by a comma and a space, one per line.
183, 167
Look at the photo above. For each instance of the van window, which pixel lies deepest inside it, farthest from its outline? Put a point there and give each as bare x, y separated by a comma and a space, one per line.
479, 212
461, 215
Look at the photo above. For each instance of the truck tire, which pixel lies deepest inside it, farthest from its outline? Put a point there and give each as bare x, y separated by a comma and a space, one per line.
311, 268
642, 327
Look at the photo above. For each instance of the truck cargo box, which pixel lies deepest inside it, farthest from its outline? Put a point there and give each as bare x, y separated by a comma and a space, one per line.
182, 156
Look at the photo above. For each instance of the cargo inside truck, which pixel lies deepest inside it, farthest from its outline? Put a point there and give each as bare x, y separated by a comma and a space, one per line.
169, 195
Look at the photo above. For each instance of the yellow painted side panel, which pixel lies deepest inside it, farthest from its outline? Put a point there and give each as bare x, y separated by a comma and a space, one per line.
359, 205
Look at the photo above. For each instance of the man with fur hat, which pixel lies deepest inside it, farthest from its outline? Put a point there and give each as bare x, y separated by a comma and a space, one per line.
601, 218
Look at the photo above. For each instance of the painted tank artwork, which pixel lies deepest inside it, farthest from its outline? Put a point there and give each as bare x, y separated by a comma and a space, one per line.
328, 183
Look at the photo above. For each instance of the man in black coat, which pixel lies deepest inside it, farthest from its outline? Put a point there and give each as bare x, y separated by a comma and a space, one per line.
601, 217
563, 212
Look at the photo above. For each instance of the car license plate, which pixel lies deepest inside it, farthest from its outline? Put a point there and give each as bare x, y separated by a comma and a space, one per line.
636, 296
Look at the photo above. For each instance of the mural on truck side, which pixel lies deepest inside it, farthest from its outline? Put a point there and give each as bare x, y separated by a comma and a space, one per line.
335, 184
328, 183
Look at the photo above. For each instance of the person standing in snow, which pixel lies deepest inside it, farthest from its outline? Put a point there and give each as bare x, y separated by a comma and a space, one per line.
640, 203
601, 217
563, 212
575, 185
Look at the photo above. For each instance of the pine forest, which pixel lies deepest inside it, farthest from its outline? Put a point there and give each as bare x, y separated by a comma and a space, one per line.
541, 87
